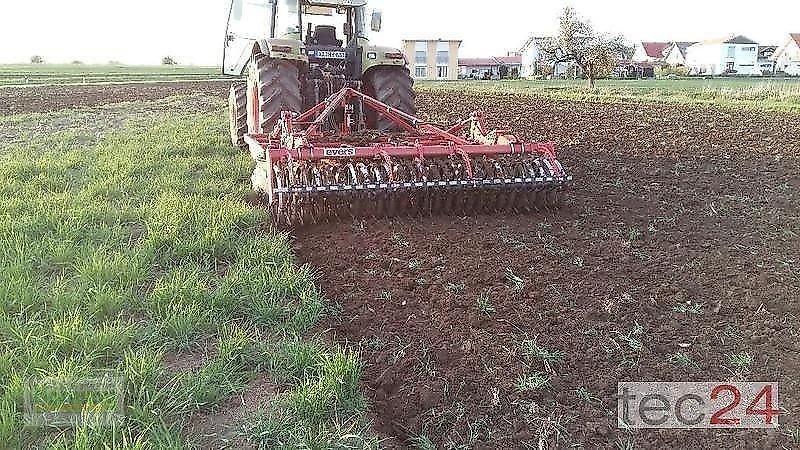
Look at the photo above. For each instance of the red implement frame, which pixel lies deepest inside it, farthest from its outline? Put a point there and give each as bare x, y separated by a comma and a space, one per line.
307, 141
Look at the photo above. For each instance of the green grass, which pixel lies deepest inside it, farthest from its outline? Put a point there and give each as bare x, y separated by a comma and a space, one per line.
116, 251
684, 360
752, 93
740, 363
531, 382
550, 359
421, 443
689, 308
57, 74
485, 305
513, 281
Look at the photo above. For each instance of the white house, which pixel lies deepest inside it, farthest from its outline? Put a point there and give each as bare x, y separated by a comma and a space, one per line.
736, 55
787, 58
676, 53
533, 59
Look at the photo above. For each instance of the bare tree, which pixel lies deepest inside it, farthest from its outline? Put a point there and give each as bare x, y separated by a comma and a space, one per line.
36, 59
596, 54
169, 61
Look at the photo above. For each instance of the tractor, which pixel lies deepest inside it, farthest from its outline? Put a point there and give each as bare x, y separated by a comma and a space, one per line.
297, 53
329, 120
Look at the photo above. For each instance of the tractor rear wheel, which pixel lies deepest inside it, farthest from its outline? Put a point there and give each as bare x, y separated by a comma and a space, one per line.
273, 86
237, 111
393, 86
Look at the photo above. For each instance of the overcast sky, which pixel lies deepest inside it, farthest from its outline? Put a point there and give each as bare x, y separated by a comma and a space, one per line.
142, 31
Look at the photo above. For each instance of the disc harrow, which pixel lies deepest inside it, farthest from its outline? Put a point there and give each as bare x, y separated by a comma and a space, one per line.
309, 175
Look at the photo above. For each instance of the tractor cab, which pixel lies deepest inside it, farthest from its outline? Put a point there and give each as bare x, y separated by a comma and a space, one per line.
323, 27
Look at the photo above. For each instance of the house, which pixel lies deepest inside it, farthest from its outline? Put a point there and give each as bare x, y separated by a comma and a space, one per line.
787, 57
432, 59
652, 52
675, 54
478, 68
646, 57
734, 55
495, 67
766, 63
536, 64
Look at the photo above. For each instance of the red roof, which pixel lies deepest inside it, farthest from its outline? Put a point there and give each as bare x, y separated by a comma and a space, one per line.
655, 49
476, 62
493, 61
510, 60
796, 37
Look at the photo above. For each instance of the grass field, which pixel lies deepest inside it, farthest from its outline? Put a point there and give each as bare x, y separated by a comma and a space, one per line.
764, 94
126, 246
49, 74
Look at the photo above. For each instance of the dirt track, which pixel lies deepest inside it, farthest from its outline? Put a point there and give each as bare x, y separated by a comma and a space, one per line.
671, 205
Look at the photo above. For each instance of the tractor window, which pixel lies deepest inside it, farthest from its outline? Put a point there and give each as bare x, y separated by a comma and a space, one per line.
288, 19
236, 13
327, 18
361, 22
251, 18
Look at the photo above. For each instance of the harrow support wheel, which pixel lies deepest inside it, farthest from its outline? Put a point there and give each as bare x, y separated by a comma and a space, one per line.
237, 113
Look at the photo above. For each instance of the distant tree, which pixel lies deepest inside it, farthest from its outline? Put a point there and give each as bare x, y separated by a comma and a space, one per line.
77, 63
169, 61
36, 59
114, 62
594, 53
544, 70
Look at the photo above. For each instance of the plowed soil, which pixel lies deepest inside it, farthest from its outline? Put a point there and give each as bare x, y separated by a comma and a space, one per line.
55, 98
680, 234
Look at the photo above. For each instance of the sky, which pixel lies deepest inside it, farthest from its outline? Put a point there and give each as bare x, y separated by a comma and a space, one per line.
192, 31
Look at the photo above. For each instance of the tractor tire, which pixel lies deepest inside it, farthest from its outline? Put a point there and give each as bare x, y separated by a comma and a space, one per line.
274, 87
393, 86
237, 111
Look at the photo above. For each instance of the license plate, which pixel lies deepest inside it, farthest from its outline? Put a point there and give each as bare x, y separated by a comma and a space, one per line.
328, 54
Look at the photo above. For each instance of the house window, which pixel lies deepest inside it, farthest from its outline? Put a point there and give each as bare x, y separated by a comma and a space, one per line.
421, 72
748, 49
731, 52
442, 59
729, 67
421, 52
443, 53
